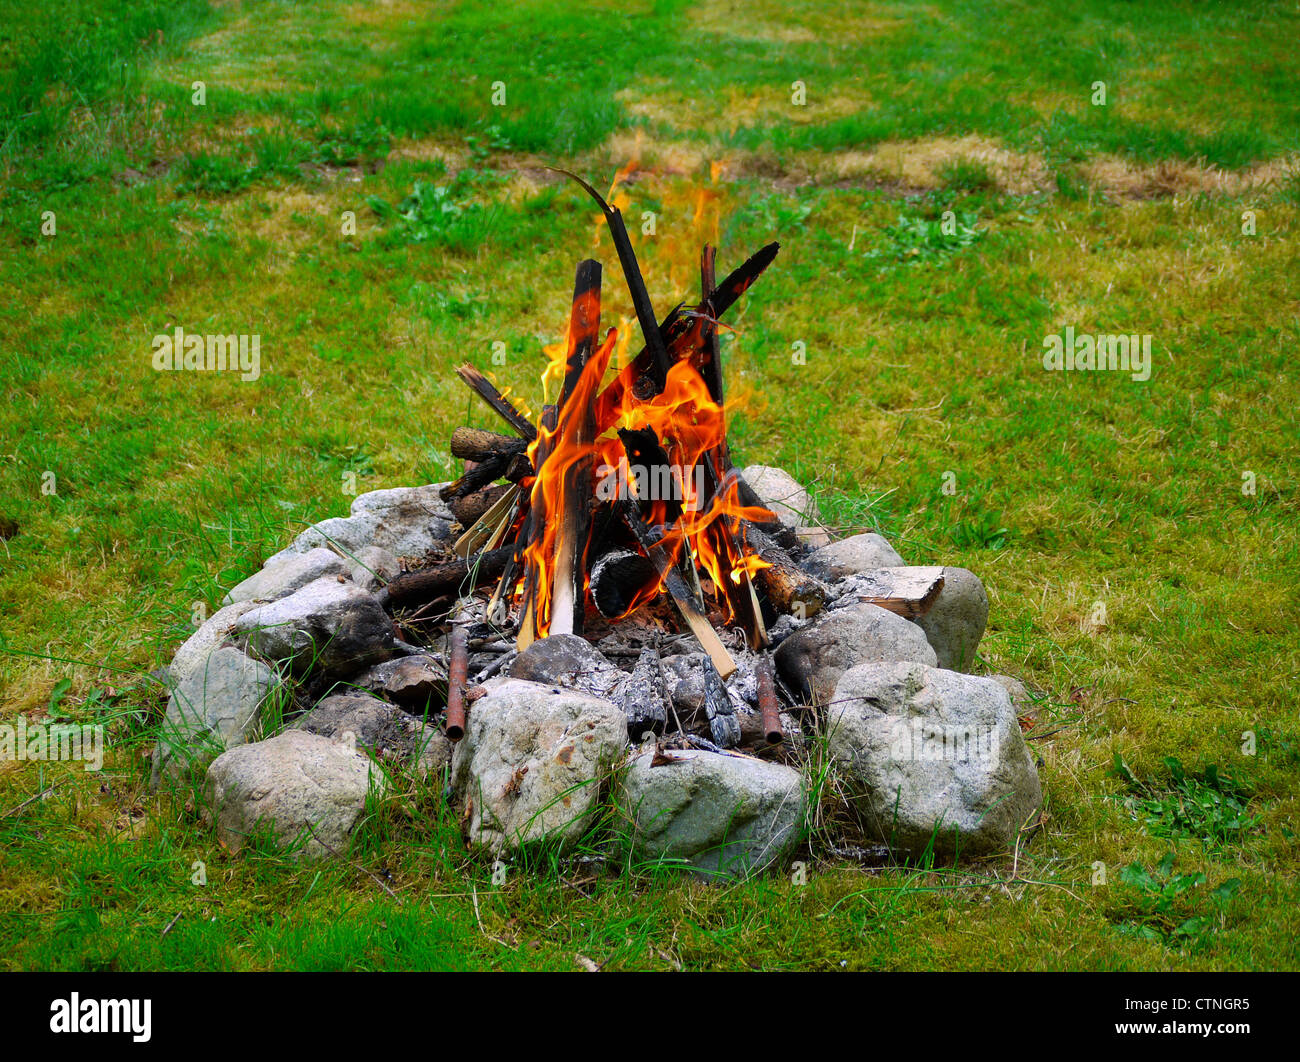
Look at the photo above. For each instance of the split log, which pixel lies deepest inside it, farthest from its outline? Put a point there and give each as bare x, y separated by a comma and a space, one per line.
444, 580
489, 526
788, 587
907, 592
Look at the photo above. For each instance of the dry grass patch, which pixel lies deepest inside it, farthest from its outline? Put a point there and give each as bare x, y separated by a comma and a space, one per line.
775, 21
920, 163
1123, 177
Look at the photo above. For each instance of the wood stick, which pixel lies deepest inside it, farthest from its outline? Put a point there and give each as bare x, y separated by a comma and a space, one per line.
456, 673
645, 314
741, 597
477, 444
505, 409
681, 330
444, 579
478, 477
767, 703
711, 369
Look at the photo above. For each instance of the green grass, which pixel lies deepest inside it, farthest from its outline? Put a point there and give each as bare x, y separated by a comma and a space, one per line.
922, 369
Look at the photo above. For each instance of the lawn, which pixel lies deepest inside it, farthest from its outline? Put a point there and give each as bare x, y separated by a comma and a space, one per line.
365, 187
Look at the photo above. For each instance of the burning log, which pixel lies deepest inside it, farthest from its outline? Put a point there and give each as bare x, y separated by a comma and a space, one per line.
788, 587
617, 577
578, 425
534, 528
767, 704
456, 675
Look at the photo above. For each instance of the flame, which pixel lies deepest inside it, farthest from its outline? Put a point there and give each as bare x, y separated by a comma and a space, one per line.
582, 444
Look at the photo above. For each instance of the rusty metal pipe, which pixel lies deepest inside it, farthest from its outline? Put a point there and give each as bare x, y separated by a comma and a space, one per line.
456, 674
767, 704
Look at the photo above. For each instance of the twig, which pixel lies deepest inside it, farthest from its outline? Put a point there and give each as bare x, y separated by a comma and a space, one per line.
365, 870
31, 800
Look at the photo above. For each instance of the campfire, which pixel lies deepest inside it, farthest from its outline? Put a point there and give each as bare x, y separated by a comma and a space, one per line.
614, 616
622, 497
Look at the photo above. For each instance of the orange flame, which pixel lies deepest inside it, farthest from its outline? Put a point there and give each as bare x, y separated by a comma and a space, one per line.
582, 450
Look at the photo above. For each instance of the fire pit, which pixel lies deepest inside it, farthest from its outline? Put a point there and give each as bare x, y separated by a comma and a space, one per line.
603, 610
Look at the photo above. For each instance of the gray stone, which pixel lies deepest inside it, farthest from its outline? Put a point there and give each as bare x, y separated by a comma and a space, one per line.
813, 537
217, 705
955, 623
781, 493
532, 762
813, 658
930, 753
1021, 700
567, 660
848, 556
287, 574
215, 632
385, 730
327, 626
307, 790
413, 681
371, 568
405, 521
726, 816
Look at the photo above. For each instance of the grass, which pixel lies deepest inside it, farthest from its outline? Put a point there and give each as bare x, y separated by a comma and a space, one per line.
129, 499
